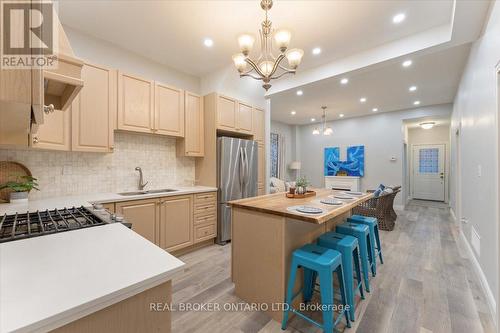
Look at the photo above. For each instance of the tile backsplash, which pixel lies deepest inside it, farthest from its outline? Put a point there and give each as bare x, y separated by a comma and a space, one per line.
69, 173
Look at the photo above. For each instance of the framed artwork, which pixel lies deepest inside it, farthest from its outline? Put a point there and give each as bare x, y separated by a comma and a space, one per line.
353, 166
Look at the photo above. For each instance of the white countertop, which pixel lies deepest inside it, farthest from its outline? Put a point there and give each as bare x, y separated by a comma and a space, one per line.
87, 199
49, 281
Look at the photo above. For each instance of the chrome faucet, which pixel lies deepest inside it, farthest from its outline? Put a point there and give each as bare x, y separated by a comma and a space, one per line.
142, 185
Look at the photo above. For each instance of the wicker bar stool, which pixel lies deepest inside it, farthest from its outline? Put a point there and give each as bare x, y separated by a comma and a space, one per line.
381, 208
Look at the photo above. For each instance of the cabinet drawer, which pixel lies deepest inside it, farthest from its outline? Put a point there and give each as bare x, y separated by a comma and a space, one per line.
205, 212
203, 197
211, 218
204, 232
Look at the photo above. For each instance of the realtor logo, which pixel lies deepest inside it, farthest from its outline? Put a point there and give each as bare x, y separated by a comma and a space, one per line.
28, 35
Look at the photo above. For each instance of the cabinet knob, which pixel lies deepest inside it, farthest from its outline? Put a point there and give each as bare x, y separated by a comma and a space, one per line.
111, 148
35, 139
48, 108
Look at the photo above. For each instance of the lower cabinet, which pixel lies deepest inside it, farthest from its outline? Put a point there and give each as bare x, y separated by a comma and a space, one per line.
173, 222
176, 222
143, 214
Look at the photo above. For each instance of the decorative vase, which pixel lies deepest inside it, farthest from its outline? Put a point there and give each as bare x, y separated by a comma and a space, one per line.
300, 190
18, 197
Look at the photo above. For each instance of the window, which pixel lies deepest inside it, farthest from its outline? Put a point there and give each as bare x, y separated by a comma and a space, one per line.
275, 155
428, 160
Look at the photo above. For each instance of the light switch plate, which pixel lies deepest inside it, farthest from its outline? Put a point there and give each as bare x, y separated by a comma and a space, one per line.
479, 170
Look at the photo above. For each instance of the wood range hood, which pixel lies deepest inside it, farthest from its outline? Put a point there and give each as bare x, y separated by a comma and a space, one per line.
27, 95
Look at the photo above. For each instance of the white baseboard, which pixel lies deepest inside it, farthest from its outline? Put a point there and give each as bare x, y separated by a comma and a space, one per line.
490, 298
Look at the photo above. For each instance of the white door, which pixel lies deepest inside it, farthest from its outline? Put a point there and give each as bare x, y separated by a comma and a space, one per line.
428, 172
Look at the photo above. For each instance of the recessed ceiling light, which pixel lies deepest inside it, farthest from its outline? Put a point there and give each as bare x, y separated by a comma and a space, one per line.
398, 18
362, 99
341, 115
407, 63
300, 92
313, 119
412, 88
344, 80
427, 125
293, 113
316, 51
416, 103
374, 109
208, 42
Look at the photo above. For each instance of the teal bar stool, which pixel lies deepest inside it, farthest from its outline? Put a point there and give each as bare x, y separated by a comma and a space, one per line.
348, 247
323, 262
362, 233
372, 223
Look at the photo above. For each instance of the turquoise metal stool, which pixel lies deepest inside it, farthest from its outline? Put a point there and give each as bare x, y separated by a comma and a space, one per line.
362, 233
348, 247
324, 262
372, 223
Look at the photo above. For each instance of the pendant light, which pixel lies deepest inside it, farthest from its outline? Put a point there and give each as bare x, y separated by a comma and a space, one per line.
326, 130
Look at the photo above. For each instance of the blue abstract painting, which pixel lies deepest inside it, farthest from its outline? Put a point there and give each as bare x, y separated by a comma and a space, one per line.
353, 166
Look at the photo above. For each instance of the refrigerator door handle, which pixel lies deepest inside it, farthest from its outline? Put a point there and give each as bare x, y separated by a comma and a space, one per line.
241, 169
247, 168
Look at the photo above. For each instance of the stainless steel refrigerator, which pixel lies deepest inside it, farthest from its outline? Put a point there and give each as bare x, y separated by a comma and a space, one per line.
236, 178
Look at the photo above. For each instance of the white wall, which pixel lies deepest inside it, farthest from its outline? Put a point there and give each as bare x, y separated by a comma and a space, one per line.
475, 109
381, 134
104, 53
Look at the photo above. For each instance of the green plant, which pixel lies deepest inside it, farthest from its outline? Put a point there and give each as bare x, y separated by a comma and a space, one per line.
21, 184
302, 182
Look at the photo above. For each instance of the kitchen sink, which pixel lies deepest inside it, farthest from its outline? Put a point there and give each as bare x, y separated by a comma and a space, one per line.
163, 190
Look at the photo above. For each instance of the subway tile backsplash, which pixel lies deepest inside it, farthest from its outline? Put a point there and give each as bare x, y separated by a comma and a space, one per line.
70, 173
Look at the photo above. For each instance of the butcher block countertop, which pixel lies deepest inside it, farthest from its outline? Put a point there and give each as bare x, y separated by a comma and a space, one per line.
278, 203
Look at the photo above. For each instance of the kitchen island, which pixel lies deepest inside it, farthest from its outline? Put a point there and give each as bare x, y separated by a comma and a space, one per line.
265, 232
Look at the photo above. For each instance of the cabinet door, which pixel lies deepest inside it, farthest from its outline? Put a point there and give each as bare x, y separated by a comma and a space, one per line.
176, 222
94, 110
258, 125
244, 119
135, 104
54, 133
226, 113
194, 142
169, 110
262, 167
143, 214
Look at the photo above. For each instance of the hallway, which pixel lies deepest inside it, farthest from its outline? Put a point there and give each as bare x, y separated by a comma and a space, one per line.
427, 284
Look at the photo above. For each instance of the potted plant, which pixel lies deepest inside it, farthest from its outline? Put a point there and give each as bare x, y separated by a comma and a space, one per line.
20, 188
301, 185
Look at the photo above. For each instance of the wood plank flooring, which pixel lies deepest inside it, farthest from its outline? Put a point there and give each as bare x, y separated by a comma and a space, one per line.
427, 284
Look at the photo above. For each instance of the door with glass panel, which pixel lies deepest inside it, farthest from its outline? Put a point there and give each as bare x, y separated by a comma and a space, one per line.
428, 176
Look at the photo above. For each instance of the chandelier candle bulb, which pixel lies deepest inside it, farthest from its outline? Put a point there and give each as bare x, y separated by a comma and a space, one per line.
246, 42
239, 62
282, 38
266, 67
294, 57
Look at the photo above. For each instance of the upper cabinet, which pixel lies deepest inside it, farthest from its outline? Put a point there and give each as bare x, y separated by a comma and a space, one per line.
193, 143
54, 133
233, 115
94, 110
135, 104
244, 119
226, 113
258, 125
169, 110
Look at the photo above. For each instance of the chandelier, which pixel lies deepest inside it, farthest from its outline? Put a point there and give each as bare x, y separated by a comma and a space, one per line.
326, 130
267, 67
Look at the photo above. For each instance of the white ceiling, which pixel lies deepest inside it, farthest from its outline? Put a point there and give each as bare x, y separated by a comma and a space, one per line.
385, 86
172, 32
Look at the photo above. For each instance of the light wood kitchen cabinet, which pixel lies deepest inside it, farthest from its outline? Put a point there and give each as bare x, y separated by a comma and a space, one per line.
54, 133
244, 117
176, 222
135, 104
144, 216
258, 125
193, 143
226, 113
169, 110
94, 110
261, 176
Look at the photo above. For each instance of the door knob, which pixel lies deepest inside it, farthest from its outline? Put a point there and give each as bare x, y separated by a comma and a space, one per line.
48, 108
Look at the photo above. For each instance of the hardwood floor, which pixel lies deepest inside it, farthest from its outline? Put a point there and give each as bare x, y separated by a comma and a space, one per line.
427, 284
